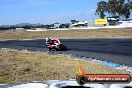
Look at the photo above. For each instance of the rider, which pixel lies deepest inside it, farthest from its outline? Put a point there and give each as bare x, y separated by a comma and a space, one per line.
53, 41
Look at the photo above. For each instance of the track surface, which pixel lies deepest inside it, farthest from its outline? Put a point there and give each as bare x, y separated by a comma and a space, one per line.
114, 50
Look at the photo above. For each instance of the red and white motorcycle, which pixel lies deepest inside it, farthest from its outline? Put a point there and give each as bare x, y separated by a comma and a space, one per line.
59, 47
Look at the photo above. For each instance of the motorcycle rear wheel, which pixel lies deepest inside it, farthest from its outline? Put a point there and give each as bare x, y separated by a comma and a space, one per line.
53, 51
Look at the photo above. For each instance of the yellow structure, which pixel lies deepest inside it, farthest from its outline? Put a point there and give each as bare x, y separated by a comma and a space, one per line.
101, 21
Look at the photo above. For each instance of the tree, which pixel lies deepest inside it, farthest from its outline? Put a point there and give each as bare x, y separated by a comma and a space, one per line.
74, 21
101, 8
27, 27
119, 8
115, 6
64, 25
125, 11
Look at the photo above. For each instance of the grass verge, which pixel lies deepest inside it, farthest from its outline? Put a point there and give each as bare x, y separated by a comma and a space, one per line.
21, 66
100, 33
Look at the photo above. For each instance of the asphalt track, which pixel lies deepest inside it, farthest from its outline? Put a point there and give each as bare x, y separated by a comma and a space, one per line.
113, 50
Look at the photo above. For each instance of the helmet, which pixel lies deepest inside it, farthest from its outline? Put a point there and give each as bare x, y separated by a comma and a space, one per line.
48, 39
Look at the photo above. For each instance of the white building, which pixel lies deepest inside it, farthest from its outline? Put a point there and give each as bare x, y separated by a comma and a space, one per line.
125, 23
80, 24
19, 28
56, 25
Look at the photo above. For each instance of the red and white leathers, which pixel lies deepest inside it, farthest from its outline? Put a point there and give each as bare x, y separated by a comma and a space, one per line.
52, 42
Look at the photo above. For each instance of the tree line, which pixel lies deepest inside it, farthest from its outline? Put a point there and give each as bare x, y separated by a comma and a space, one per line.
113, 8
48, 26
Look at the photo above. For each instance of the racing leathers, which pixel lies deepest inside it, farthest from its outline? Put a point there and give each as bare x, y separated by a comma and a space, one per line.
53, 42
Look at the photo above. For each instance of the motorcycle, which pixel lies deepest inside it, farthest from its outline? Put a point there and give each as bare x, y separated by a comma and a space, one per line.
54, 48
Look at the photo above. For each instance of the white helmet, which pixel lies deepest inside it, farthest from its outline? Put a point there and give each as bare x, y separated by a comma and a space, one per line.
48, 39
